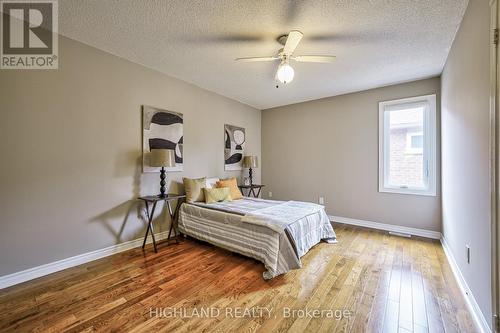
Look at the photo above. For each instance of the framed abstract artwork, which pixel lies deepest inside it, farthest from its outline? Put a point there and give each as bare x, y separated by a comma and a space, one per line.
234, 147
161, 129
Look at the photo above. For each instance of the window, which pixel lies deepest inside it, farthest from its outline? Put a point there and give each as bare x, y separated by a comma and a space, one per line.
407, 146
414, 142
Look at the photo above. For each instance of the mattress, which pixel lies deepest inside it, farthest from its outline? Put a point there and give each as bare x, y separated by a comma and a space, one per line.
224, 225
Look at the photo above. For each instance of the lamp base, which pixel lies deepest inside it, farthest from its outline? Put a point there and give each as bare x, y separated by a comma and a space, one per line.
250, 175
163, 176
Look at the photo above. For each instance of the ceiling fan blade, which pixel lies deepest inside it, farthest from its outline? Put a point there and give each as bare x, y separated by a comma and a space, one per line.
292, 41
315, 58
254, 59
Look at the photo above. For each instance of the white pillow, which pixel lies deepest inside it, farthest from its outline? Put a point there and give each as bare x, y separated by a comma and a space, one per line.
210, 182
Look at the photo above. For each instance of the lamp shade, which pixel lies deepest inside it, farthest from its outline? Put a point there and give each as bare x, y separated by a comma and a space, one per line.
162, 158
250, 162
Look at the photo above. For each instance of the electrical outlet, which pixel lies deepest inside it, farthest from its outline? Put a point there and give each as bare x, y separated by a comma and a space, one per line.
270, 194
321, 200
467, 252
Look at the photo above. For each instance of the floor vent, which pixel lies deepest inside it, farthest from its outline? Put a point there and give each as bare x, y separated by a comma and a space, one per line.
400, 234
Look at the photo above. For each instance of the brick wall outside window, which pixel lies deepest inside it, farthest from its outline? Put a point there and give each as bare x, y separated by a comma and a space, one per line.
405, 168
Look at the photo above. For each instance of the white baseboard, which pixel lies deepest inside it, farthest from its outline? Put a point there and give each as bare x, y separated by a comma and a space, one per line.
387, 227
35, 272
480, 321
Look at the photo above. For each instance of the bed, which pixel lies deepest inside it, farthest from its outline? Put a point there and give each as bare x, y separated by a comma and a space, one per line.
277, 233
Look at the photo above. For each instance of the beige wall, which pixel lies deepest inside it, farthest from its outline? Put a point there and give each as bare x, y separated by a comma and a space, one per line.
329, 148
465, 144
70, 143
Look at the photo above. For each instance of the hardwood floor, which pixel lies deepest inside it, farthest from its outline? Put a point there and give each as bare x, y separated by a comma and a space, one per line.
370, 281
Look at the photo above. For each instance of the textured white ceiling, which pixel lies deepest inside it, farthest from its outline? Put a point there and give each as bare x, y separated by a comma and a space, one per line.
377, 42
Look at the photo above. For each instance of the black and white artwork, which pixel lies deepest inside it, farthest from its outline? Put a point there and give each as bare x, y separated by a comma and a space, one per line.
161, 129
234, 146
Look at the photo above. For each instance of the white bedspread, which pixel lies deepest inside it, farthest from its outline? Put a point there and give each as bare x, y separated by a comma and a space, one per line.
279, 217
242, 207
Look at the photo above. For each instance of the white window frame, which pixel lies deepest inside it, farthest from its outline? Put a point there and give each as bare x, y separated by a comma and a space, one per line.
429, 150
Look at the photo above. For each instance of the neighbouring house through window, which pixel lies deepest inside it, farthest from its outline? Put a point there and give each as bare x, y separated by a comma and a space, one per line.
407, 145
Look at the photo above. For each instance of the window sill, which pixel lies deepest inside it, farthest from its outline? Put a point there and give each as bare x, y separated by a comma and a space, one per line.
407, 191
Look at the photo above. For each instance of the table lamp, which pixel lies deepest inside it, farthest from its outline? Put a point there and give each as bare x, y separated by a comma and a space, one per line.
164, 158
250, 162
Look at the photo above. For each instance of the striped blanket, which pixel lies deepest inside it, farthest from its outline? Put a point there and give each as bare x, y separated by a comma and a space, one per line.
240, 226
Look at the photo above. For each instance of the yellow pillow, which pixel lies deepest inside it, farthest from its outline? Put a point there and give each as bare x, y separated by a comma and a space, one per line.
217, 194
194, 189
233, 187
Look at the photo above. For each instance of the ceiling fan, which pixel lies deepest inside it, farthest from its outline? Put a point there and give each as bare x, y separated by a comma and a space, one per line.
285, 72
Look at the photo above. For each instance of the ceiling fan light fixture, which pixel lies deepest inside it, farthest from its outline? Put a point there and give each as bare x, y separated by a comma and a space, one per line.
285, 73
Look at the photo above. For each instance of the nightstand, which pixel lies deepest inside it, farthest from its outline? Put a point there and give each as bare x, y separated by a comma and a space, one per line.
152, 200
251, 190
